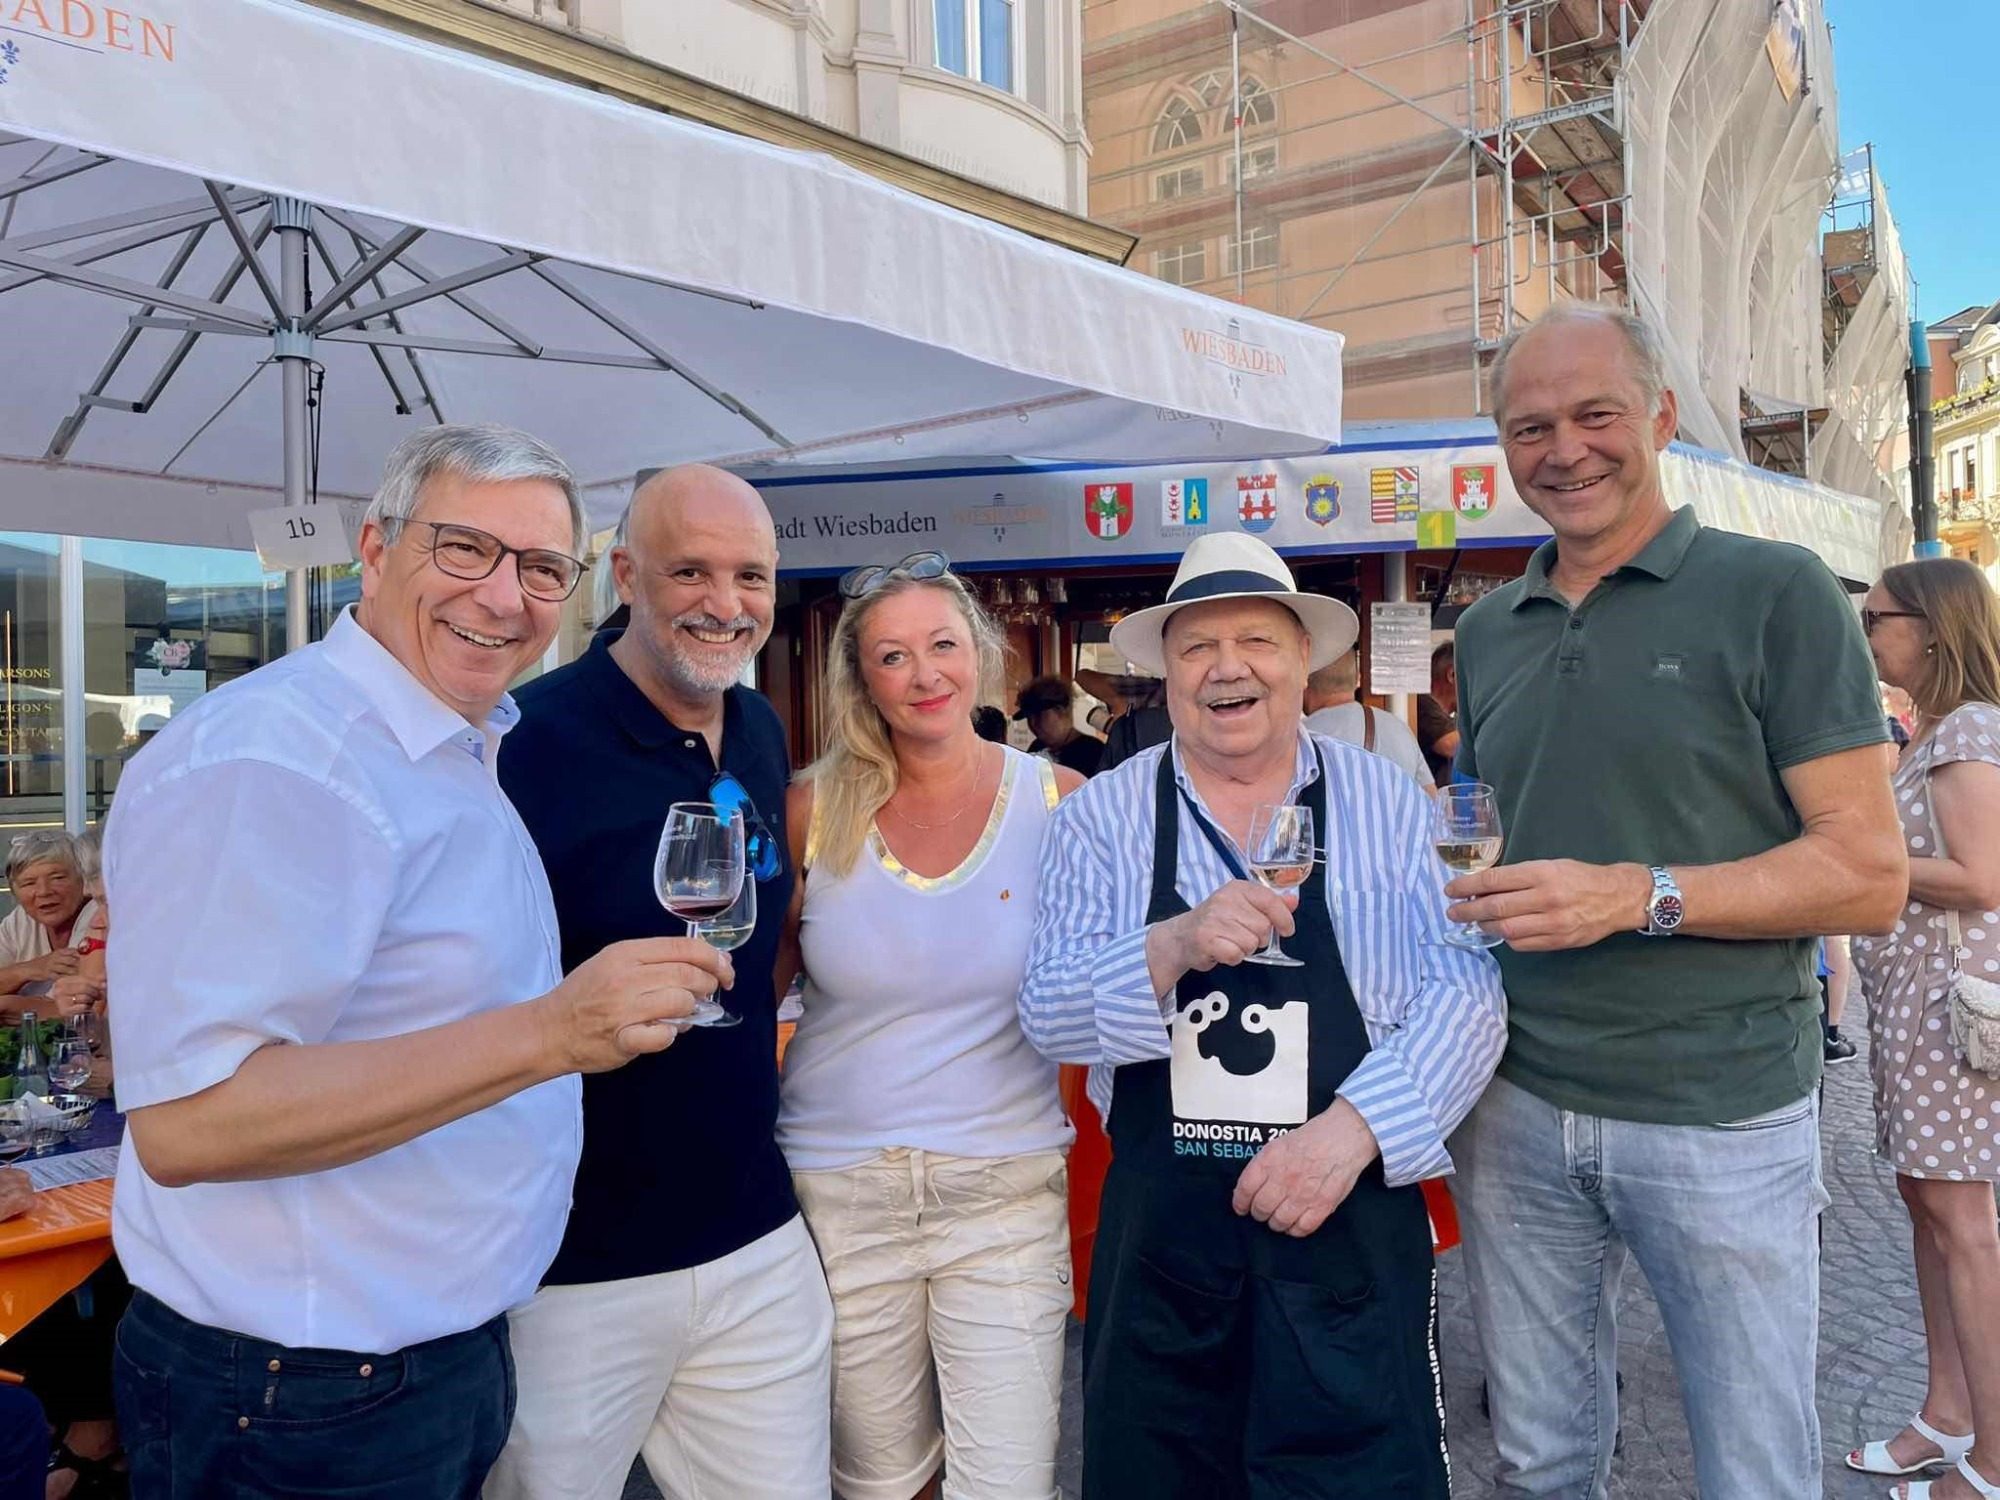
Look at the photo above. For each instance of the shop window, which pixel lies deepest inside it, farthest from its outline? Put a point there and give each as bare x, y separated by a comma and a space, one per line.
1183, 265
30, 687
163, 625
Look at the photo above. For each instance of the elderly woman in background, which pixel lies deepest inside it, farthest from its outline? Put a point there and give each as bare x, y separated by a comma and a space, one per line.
1934, 628
926, 1136
38, 939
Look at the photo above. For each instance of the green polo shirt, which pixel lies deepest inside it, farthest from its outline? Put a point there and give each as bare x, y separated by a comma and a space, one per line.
1649, 724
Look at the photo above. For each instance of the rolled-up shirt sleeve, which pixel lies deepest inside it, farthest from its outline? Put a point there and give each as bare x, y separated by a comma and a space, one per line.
1088, 996
1424, 1074
246, 902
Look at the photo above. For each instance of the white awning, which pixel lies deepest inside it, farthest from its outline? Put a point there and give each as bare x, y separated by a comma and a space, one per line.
483, 244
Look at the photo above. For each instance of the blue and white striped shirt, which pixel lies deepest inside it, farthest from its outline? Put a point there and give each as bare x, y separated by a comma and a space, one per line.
1435, 1013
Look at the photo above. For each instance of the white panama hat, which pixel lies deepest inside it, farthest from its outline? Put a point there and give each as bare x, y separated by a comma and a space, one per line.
1230, 565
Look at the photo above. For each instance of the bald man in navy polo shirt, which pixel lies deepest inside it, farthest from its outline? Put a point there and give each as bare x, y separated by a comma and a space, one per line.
686, 1316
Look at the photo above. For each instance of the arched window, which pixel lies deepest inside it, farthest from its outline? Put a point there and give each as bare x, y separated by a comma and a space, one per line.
1179, 126
1211, 88
1258, 106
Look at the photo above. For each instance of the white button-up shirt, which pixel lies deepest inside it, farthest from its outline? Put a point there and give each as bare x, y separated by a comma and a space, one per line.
320, 852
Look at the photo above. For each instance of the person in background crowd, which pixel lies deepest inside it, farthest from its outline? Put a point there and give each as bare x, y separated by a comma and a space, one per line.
1682, 728
925, 1135
1437, 714
1332, 709
990, 724
685, 1317
1934, 628
38, 937
351, 1111
1048, 707
1142, 720
1262, 1294
1836, 975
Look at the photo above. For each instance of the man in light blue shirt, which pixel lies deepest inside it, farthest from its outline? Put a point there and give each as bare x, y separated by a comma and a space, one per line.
1262, 1294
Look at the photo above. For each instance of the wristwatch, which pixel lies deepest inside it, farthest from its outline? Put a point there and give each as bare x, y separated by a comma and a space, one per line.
1664, 908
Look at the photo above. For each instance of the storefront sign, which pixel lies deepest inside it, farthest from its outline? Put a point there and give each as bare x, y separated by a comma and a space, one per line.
1399, 648
1360, 498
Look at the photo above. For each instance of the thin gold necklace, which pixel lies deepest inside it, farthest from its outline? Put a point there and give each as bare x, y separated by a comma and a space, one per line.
965, 805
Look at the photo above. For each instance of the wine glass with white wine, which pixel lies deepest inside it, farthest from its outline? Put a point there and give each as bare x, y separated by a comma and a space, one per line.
1281, 857
1467, 837
699, 875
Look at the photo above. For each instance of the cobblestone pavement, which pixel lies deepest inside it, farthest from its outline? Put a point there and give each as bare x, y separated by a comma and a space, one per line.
1871, 1340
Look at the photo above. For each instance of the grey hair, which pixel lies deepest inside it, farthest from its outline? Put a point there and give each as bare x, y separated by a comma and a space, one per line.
42, 846
1649, 362
90, 852
481, 451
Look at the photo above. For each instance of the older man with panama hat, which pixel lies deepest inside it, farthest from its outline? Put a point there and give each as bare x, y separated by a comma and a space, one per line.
1262, 1298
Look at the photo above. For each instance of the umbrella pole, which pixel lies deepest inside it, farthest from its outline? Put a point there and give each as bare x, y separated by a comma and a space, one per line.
293, 349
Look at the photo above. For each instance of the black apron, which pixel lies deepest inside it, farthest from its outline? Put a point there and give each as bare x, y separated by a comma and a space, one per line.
1222, 1359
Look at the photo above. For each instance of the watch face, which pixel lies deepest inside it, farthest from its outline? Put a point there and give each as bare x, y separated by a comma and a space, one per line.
1667, 912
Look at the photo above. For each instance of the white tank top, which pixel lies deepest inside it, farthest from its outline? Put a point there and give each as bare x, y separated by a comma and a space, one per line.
910, 1035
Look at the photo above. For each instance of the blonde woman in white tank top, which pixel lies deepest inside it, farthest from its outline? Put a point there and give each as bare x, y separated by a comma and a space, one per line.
926, 1136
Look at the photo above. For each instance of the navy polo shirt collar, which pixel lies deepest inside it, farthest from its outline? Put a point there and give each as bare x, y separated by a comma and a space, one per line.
637, 715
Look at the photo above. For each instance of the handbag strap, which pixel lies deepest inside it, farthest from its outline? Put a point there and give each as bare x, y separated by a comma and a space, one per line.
1951, 926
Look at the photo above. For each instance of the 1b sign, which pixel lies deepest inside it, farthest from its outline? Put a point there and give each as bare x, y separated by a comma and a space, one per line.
305, 536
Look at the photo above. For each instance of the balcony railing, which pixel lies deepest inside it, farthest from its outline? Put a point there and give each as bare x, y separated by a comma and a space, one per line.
1965, 401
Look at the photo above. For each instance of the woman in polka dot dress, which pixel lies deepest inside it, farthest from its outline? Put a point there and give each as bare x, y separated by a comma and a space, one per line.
1934, 628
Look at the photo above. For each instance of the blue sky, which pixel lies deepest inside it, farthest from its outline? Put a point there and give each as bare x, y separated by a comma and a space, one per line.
1921, 80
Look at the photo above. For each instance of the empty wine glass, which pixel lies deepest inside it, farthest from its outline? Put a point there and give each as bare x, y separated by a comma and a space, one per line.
698, 875
13, 1129
69, 1068
1466, 834
1281, 857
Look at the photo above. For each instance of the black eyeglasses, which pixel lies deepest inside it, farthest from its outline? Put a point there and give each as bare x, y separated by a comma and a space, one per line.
469, 553
1869, 617
760, 846
859, 583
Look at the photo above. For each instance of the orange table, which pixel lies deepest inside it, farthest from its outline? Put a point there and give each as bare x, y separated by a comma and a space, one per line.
50, 1251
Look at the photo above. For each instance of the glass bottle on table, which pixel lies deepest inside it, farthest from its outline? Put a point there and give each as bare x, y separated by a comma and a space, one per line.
31, 1066
699, 874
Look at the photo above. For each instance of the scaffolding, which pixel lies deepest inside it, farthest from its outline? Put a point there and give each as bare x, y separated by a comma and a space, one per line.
1427, 175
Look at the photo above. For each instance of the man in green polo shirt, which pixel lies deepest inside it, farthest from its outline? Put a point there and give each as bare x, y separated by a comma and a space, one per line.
1680, 724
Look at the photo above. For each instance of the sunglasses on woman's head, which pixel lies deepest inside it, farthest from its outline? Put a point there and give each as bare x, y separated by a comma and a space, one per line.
859, 583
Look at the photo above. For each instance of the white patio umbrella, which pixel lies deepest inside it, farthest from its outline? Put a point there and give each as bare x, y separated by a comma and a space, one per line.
245, 245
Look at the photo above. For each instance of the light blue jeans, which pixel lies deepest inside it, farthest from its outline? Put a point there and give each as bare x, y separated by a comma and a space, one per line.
1723, 1222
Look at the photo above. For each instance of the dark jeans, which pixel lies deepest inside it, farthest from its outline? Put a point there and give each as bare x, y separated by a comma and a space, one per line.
24, 1444
207, 1414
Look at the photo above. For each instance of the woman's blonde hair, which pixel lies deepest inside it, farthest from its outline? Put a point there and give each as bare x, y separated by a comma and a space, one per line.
1957, 603
856, 772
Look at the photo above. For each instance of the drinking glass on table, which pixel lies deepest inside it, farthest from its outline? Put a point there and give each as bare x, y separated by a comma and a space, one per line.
1281, 857
69, 1066
698, 875
1466, 834
14, 1130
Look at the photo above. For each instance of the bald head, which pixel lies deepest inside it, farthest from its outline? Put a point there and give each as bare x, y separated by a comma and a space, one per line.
698, 493
697, 560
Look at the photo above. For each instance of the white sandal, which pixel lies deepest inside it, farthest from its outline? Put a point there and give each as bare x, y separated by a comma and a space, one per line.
1873, 1458
1983, 1487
